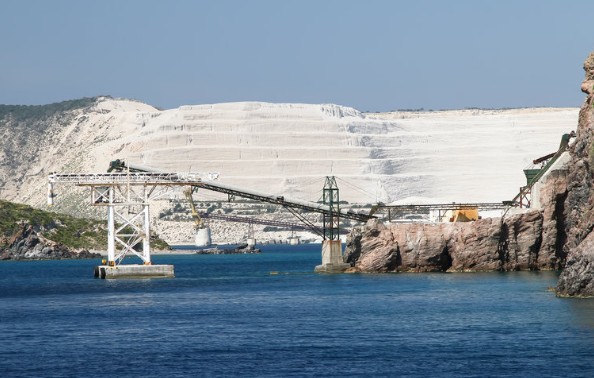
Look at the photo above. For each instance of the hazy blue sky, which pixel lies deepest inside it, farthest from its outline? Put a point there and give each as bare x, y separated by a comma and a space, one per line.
372, 55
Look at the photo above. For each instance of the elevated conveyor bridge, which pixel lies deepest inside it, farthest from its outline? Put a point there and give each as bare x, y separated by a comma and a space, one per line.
127, 194
150, 179
391, 211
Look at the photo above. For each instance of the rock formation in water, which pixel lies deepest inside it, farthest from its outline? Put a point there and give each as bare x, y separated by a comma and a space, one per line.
27, 244
489, 244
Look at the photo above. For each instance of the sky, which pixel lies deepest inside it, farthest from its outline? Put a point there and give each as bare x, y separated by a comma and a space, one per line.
373, 55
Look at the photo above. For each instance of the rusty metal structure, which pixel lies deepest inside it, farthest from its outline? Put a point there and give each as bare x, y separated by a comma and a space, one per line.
522, 199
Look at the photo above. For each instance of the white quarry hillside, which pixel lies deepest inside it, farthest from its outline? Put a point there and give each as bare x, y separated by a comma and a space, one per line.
288, 149
462, 156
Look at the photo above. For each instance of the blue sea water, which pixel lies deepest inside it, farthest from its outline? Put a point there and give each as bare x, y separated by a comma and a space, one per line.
270, 315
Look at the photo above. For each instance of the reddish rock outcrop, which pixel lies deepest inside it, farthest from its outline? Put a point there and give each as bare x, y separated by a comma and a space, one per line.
490, 244
553, 195
577, 277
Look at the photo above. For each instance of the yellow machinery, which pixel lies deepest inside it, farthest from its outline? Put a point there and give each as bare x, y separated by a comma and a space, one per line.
198, 221
203, 237
465, 215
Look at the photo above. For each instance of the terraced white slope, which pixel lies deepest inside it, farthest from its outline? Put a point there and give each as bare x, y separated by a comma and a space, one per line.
445, 156
472, 155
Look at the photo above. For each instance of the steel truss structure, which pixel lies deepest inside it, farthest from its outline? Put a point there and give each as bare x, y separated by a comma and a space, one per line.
332, 200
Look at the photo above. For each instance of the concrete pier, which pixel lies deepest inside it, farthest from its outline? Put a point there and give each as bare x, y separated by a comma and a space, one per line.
134, 271
332, 258
251, 242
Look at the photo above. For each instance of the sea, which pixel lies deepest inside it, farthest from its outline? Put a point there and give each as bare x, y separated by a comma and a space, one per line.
270, 315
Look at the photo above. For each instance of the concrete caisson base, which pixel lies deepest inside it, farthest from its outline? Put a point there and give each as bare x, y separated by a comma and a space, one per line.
332, 258
203, 238
332, 268
134, 271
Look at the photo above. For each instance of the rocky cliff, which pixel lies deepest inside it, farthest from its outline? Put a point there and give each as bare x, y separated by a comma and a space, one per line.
577, 279
27, 244
490, 244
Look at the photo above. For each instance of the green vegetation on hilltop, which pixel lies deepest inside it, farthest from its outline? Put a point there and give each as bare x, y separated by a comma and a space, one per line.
24, 113
70, 231
23, 127
65, 229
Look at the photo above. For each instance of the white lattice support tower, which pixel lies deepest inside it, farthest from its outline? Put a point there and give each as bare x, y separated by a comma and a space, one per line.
110, 227
126, 198
146, 241
133, 227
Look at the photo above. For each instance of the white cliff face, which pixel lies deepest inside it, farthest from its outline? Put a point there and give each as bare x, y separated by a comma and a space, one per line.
288, 149
461, 156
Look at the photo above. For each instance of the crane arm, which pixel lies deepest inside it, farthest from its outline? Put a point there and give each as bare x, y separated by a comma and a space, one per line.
199, 222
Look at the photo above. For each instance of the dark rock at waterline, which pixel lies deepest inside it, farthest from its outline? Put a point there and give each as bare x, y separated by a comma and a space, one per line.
27, 244
577, 279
